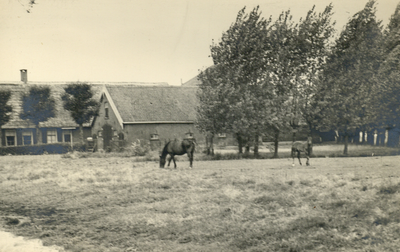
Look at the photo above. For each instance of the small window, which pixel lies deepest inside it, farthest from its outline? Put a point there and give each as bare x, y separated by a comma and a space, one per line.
106, 110
189, 135
67, 138
27, 138
51, 136
154, 137
10, 137
10, 140
222, 135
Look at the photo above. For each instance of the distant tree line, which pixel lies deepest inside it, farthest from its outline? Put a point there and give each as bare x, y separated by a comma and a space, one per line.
268, 76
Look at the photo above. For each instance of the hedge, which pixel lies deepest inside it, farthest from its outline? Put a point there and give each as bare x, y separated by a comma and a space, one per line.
40, 149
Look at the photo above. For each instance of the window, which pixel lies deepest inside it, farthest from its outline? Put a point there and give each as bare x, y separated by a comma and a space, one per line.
106, 109
189, 135
222, 135
10, 141
67, 137
27, 138
10, 137
51, 136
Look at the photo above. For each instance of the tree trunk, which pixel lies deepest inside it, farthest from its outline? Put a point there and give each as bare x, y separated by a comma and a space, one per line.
1, 137
247, 150
81, 134
239, 139
210, 144
346, 144
276, 140
256, 146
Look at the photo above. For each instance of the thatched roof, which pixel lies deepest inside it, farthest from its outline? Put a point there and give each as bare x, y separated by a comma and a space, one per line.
193, 82
154, 104
63, 118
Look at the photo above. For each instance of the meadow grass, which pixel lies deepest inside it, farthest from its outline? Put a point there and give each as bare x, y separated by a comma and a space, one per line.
119, 204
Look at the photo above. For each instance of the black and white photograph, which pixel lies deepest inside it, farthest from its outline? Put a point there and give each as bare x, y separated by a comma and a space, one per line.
204, 126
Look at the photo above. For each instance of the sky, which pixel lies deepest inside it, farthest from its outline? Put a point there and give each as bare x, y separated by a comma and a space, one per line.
131, 40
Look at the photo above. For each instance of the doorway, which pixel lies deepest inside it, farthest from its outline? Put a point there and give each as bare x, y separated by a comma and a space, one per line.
107, 137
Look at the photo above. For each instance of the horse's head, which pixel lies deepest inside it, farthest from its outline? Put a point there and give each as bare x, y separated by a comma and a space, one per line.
162, 162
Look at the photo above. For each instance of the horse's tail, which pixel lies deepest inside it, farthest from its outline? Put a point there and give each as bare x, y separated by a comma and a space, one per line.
194, 145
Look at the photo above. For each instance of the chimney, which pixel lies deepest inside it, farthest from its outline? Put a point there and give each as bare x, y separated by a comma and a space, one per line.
24, 75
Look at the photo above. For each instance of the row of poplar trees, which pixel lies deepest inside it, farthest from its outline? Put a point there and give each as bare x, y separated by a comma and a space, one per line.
270, 75
38, 105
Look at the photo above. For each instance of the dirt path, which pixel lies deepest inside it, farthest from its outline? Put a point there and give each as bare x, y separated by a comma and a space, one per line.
12, 243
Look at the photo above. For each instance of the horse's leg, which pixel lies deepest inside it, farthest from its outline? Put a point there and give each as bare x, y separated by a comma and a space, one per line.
298, 156
173, 158
190, 155
169, 160
293, 156
308, 159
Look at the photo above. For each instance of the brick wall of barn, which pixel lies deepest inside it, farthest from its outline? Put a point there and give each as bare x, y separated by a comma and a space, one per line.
157, 134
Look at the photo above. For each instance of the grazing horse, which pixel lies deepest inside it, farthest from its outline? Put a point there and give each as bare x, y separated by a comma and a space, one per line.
177, 147
305, 147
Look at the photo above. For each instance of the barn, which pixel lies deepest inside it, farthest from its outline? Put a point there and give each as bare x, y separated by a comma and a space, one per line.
149, 114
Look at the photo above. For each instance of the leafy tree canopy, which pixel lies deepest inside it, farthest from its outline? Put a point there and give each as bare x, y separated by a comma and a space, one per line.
78, 99
38, 105
5, 109
350, 72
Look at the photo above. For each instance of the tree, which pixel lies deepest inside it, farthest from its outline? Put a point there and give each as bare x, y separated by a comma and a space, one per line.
349, 74
212, 107
387, 89
5, 109
314, 34
257, 65
238, 74
297, 53
78, 100
38, 106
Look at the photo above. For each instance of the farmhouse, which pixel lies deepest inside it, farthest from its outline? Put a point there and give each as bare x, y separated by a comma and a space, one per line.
61, 129
151, 114
18, 132
56, 134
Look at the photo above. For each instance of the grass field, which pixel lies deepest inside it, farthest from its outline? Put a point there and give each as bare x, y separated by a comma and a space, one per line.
116, 204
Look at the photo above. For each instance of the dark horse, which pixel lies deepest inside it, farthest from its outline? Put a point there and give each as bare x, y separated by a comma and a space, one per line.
305, 147
177, 147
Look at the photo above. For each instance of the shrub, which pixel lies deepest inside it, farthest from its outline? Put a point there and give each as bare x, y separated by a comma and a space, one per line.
35, 149
137, 149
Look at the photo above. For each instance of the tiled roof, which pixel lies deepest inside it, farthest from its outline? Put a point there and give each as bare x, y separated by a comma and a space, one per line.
137, 104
